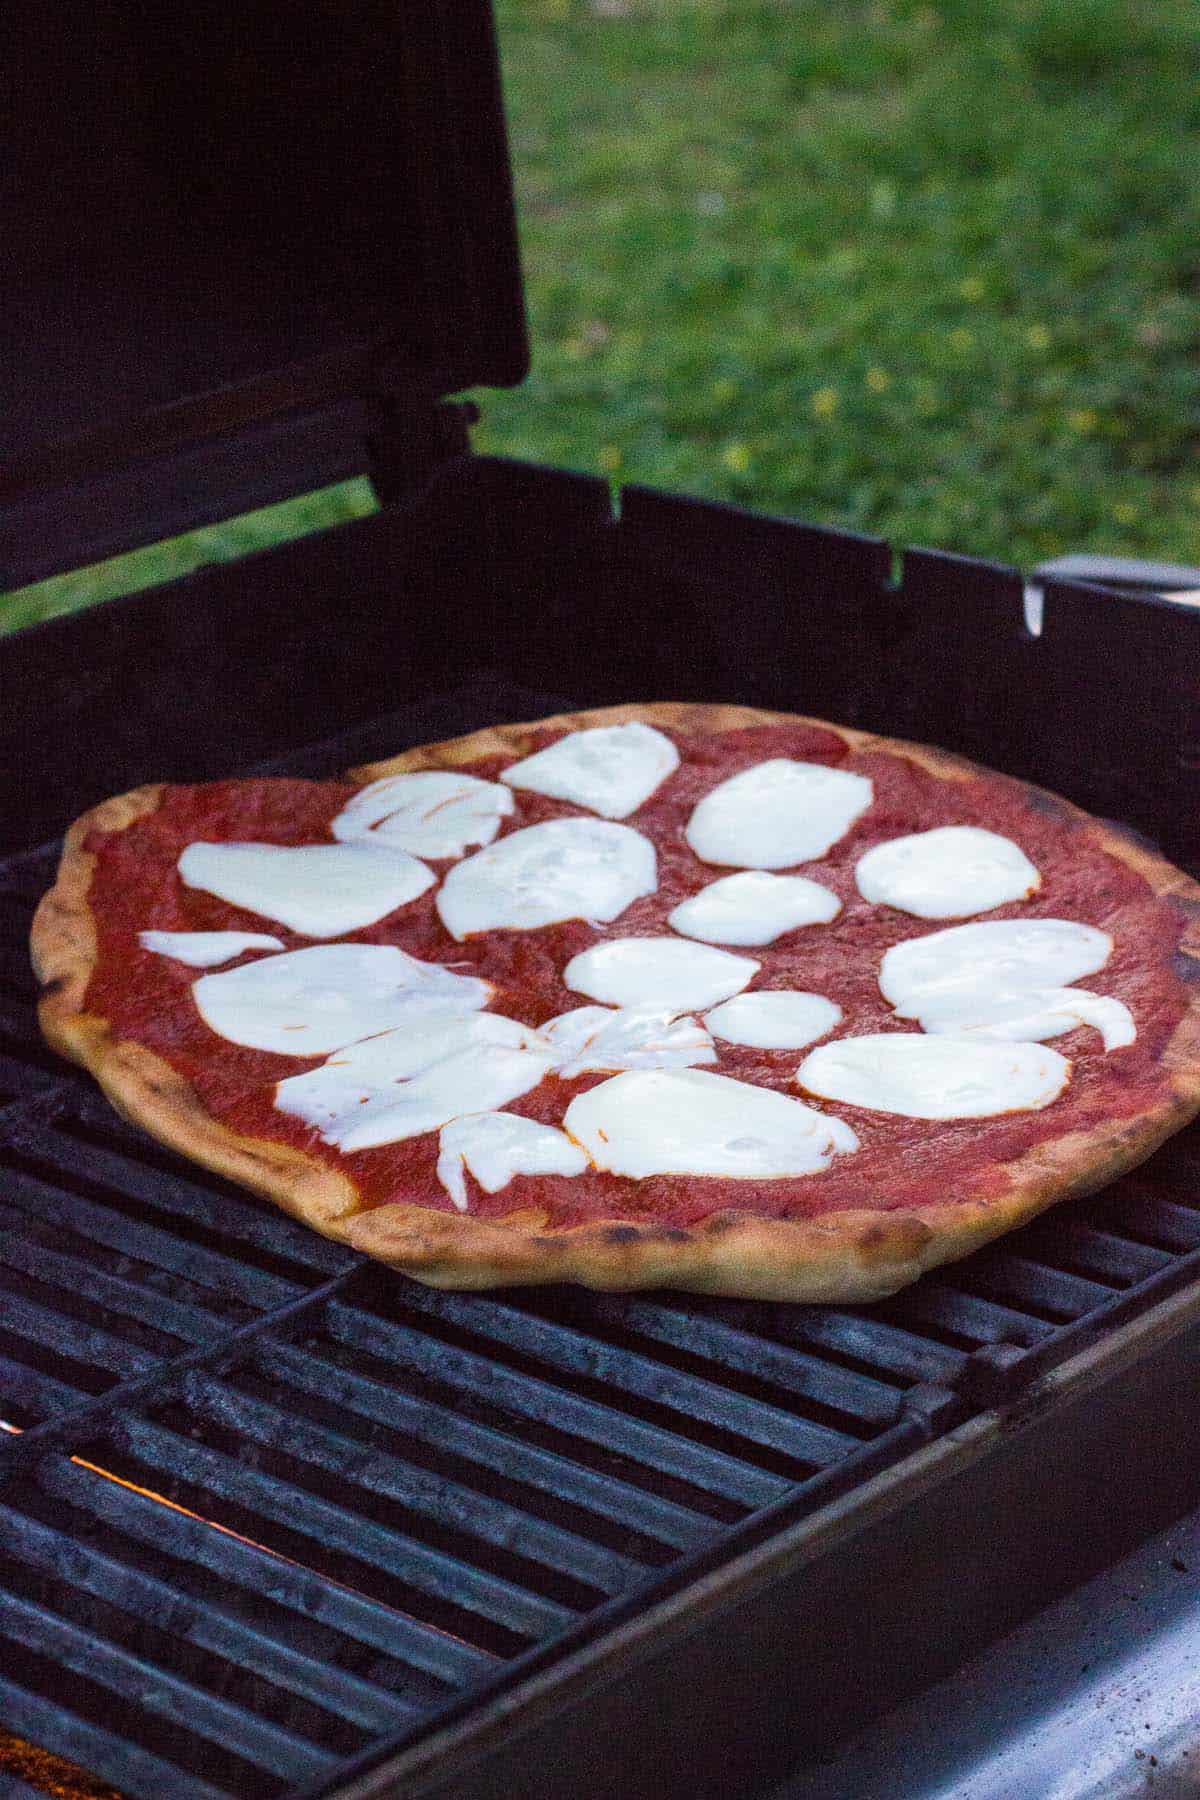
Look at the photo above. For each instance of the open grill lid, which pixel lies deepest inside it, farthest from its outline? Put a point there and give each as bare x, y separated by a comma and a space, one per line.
236, 241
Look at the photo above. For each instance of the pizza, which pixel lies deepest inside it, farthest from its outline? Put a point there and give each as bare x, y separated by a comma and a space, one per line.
694, 996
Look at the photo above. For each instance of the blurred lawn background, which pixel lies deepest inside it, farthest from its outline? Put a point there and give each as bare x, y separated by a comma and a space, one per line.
926, 270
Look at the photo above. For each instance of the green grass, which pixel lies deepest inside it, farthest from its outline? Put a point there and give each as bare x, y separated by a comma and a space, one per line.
927, 271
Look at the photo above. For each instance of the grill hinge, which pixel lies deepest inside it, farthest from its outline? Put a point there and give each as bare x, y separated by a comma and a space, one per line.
405, 447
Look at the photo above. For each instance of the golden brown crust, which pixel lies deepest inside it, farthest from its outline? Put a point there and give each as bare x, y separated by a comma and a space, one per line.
850, 1255
142, 1086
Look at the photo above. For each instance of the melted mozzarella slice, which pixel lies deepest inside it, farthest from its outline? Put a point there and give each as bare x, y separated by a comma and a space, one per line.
425, 1040
947, 873
205, 949
359, 1082
309, 1002
430, 812
1040, 1013
564, 869
934, 1077
777, 813
688, 1122
658, 971
613, 769
322, 890
496, 1146
754, 908
479, 1079
997, 956
633, 1037
774, 1020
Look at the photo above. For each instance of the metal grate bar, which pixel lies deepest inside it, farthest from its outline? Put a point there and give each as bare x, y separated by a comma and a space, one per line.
454, 1507
163, 1377
449, 1434
147, 1305
865, 1402
1162, 1220
535, 1399
105, 1219
1070, 1245
53, 1723
268, 1580
1051, 1292
32, 1393
969, 1319
115, 1167
85, 1344
158, 1692
194, 1621
172, 1459
576, 1353
867, 1338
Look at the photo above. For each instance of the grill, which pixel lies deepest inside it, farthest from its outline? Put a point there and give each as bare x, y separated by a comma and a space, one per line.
278, 1511
276, 1522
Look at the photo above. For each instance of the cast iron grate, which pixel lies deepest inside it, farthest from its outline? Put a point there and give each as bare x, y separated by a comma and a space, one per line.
273, 1508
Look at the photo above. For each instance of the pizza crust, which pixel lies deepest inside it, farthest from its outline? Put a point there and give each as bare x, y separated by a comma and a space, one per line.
854, 1254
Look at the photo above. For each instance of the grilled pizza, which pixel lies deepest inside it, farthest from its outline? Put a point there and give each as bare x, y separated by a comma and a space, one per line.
695, 996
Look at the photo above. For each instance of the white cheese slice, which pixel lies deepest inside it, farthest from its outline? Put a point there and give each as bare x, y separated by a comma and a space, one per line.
612, 769
332, 1094
322, 890
367, 1079
632, 1037
480, 1079
947, 873
690, 1122
754, 908
564, 869
429, 812
934, 1077
776, 1020
495, 1146
658, 971
206, 949
996, 956
309, 1002
1033, 1016
777, 813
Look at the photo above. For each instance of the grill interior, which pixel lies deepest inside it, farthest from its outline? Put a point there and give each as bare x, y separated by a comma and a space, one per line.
384, 1501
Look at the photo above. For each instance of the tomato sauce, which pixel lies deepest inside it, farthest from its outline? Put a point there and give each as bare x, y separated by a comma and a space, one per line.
902, 1162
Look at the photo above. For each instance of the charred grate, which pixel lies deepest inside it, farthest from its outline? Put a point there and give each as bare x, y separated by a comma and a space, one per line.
274, 1508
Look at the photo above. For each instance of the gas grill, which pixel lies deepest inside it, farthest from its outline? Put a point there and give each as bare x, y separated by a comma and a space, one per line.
277, 1522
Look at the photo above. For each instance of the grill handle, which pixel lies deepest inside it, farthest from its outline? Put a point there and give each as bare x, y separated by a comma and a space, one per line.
1174, 581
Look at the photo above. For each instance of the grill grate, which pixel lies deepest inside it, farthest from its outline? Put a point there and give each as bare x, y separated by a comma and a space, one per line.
382, 1500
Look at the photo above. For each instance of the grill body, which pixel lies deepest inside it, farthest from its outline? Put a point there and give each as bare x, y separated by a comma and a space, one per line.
428, 1543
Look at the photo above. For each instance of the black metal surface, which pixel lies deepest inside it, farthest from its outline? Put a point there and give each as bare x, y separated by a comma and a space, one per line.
235, 244
390, 1502
499, 566
1097, 1699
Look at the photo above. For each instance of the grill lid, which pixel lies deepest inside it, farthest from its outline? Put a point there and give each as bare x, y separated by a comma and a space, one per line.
227, 232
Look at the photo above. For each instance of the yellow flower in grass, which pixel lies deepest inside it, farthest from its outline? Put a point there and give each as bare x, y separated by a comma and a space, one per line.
962, 339
1082, 419
609, 458
736, 458
1125, 513
824, 403
878, 380
1037, 337
973, 288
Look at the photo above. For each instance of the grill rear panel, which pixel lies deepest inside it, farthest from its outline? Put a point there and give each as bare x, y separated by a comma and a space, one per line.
381, 1499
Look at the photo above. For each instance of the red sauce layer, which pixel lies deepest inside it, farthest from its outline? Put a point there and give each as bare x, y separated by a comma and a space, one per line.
903, 1162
